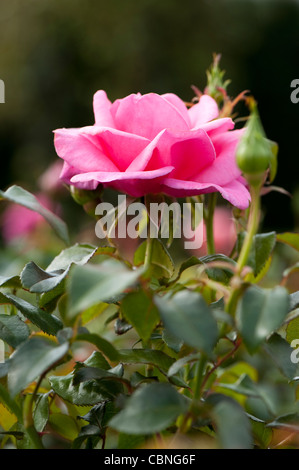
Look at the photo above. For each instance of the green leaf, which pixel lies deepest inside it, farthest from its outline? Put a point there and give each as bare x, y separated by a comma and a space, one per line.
244, 385
48, 300
12, 282
280, 352
261, 249
289, 238
110, 383
64, 425
259, 313
94, 311
218, 274
292, 332
140, 311
194, 261
38, 280
187, 316
162, 265
232, 425
180, 363
172, 341
43, 320
92, 284
10, 403
20, 196
31, 359
89, 432
41, 412
96, 359
101, 343
146, 356
83, 394
100, 414
151, 408
189, 263
261, 433
13, 330
78, 254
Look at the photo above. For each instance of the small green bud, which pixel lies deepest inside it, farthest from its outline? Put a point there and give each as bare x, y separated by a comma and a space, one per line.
216, 85
255, 153
84, 196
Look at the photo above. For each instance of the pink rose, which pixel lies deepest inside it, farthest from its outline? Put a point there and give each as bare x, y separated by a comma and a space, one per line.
152, 143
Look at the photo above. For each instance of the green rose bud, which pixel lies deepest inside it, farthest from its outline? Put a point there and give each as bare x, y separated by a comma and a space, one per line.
84, 196
255, 153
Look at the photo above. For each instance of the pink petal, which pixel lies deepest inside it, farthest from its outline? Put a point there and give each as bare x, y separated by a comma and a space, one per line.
235, 192
69, 171
121, 147
109, 176
203, 111
101, 109
188, 152
146, 115
224, 169
179, 105
96, 148
81, 150
135, 183
218, 126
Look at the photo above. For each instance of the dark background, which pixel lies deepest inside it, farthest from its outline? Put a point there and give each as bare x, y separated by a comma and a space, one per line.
54, 54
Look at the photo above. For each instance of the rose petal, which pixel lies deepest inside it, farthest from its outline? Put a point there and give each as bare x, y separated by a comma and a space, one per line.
188, 153
101, 109
146, 115
121, 147
135, 183
235, 192
203, 111
79, 149
218, 126
69, 171
92, 147
179, 105
224, 169
109, 176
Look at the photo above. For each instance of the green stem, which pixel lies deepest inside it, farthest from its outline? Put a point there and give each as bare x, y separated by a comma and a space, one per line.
252, 227
148, 254
199, 377
253, 223
209, 223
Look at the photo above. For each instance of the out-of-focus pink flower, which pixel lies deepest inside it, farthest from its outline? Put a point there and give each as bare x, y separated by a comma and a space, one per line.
18, 221
152, 143
225, 233
50, 181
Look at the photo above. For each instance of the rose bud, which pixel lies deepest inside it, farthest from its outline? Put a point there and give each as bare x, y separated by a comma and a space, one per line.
84, 196
256, 154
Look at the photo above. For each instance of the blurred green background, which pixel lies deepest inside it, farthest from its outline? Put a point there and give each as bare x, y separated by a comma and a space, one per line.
54, 54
